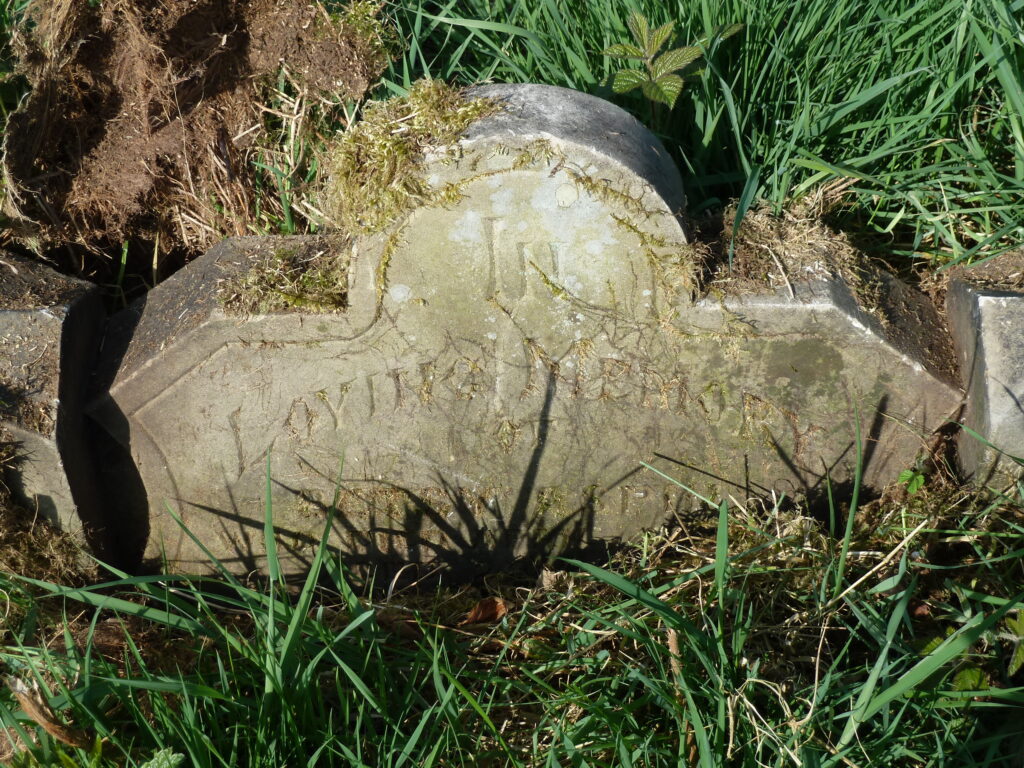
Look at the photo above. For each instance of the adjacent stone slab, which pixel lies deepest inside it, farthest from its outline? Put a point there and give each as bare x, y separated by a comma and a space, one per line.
985, 305
49, 330
503, 365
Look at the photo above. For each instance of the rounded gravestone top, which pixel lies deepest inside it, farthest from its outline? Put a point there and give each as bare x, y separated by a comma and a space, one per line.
572, 117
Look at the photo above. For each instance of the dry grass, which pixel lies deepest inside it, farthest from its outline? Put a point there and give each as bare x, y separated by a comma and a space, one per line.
166, 125
376, 166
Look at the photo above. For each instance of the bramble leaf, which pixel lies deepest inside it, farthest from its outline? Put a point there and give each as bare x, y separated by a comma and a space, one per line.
641, 30
658, 38
674, 60
628, 79
970, 679
1016, 661
1016, 624
665, 89
165, 758
725, 32
623, 51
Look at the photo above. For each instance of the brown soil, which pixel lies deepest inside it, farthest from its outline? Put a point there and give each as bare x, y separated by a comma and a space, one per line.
145, 115
1005, 273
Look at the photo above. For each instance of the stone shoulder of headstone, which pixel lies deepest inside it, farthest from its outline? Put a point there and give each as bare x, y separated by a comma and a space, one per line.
812, 341
49, 330
822, 276
886, 312
985, 306
135, 337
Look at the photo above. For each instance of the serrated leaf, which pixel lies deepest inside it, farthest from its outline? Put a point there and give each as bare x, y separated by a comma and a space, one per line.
665, 89
641, 30
725, 32
970, 679
1016, 661
627, 79
659, 37
1016, 624
916, 483
623, 51
906, 475
676, 59
165, 758
653, 92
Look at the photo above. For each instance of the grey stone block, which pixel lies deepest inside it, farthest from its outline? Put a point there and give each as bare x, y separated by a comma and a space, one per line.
49, 330
985, 305
502, 367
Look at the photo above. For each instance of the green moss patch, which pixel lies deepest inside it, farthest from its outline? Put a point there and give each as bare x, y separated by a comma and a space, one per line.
311, 278
377, 167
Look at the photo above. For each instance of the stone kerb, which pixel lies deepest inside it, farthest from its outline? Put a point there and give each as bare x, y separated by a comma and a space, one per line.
503, 365
985, 306
49, 329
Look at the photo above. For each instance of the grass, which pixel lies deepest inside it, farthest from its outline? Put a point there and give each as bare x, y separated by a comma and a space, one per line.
890, 635
768, 642
901, 122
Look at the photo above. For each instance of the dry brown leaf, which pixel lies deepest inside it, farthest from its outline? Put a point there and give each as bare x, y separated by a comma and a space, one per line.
489, 610
33, 705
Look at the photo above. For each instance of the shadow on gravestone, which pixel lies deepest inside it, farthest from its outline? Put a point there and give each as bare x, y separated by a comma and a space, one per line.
501, 365
50, 327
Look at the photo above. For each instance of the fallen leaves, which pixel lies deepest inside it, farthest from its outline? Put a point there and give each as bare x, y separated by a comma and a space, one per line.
489, 610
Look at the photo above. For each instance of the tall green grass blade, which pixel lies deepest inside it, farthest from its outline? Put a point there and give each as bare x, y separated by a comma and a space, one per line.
269, 539
747, 196
87, 596
471, 700
698, 641
166, 685
864, 700
722, 550
672, 480
854, 501
952, 647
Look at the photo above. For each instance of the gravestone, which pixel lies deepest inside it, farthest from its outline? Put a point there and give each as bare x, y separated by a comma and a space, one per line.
49, 330
502, 364
985, 305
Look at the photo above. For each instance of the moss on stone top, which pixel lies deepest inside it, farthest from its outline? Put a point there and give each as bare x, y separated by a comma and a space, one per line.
312, 278
376, 167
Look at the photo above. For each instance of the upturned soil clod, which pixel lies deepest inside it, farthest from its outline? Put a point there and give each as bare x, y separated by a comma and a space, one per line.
144, 115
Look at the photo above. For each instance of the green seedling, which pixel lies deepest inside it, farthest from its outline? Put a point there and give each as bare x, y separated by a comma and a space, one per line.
1015, 626
661, 80
913, 479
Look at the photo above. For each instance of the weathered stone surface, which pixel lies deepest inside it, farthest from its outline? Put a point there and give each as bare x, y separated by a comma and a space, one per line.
502, 367
49, 329
985, 305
